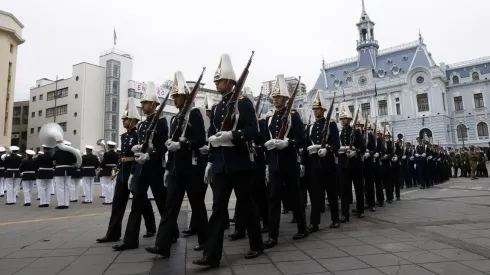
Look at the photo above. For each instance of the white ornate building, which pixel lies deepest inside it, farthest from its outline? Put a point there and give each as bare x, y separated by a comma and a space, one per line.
403, 87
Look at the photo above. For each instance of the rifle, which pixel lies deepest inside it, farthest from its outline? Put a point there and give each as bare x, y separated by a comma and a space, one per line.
326, 127
257, 105
366, 135
228, 121
263, 104
375, 132
289, 108
182, 115
353, 134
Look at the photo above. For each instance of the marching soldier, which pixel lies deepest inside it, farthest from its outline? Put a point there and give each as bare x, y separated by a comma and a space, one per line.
65, 160
27, 171
386, 161
2, 172
229, 166
350, 153
405, 165
321, 165
370, 167
283, 168
45, 165
89, 163
183, 173
379, 171
421, 163
150, 171
109, 162
473, 157
129, 139
76, 178
395, 164
12, 176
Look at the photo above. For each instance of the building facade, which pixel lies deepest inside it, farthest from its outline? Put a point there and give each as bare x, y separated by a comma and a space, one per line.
403, 87
10, 39
20, 120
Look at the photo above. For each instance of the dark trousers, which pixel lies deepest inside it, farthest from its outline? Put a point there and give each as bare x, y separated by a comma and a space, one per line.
456, 167
203, 189
407, 176
119, 203
429, 173
421, 171
260, 195
349, 175
414, 173
395, 170
388, 179
378, 181
368, 173
150, 177
178, 185
223, 184
289, 180
321, 180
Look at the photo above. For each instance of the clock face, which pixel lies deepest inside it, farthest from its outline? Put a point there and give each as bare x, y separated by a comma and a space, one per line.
362, 81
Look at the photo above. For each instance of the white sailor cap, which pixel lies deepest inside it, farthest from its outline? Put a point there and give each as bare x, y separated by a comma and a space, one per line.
65, 142
14, 148
40, 153
30, 152
2, 149
45, 146
89, 147
111, 143
118, 149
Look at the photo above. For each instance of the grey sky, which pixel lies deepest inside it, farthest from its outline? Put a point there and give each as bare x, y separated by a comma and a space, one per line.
289, 37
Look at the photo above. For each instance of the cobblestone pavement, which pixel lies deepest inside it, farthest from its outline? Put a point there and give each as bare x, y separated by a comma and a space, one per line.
442, 230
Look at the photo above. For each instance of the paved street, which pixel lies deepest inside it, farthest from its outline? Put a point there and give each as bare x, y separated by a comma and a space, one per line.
443, 230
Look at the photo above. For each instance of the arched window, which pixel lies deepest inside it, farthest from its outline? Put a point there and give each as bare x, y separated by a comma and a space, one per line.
482, 129
364, 34
372, 33
455, 80
475, 76
462, 131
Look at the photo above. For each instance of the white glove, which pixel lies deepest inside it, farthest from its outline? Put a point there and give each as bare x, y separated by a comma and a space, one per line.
270, 144
394, 159
404, 157
208, 173
367, 155
430, 157
322, 152
384, 157
281, 143
173, 145
376, 155
129, 181
165, 178
224, 136
424, 155
204, 150
21, 174
301, 171
136, 148
439, 159
415, 166
351, 153
417, 155
412, 158
313, 149
267, 174
343, 149
141, 158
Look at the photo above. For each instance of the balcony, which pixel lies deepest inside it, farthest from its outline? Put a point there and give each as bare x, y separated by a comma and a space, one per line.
480, 110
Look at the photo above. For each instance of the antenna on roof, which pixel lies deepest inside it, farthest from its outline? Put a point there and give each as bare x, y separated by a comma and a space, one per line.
421, 40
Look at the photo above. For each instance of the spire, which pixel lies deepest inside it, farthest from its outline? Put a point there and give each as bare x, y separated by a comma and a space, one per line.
363, 7
421, 39
367, 45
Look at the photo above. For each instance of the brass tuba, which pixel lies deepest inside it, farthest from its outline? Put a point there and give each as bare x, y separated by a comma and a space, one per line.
51, 135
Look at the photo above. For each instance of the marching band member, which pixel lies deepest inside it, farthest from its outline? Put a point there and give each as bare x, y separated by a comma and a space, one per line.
369, 167
2, 172
109, 162
76, 178
89, 163
27, 171
12, 163
45, 165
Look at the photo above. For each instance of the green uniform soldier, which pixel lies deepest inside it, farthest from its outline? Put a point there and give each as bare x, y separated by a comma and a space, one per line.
473, 159
457, 164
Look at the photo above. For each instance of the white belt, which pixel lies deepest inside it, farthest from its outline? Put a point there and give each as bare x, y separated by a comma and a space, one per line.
1, 168
45, 168
29, 172
88, 167
111, 165
12, 169
64, 166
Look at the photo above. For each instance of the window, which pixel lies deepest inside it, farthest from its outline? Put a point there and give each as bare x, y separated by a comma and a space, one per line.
76, 96
397, 99
455, 80
398, 109
58, 94
33, 98
74, 132
475, 76
482, 129
462, 131
382, 107
423, 103
11, 48
351, 109
60, 110
32, 130
38, 149
478, 98
40, 97
75, 114
38, 129
33, 114
444, 101
25, 110
365, 109
458, 103
40, 113
63, 126
16, 121
16, 111
420, 79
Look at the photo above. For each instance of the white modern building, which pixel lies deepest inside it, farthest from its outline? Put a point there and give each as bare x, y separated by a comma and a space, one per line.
10, 39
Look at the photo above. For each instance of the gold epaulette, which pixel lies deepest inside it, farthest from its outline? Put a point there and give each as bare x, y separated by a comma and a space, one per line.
293, 111
240, 97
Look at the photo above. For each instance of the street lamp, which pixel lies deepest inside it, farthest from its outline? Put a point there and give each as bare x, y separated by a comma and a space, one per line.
464, 133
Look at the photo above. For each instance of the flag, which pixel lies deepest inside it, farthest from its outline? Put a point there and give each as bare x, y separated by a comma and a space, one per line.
115, 37
375, 90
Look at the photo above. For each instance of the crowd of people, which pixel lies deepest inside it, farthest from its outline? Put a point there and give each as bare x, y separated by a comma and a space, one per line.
274, 165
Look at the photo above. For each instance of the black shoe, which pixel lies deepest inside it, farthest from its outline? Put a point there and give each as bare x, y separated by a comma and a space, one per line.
38, 199
74, 201
265, 229
354, 211
360, 215
123, 246
61, 207
344, 219
313, 228
251, 254
270, 243
107, 203
422, 188
175, 238
227, 226
2, 195
236, 236
149, 235
285, 211
389, 201
43, 205
334, 225
204, 261
158, 251
101, 197
398, 199
189, 232
381, 204
294, 220
232, 220
27, 204
86, 202
106, 239
300, 235
10, 203
372, 209
83, 196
